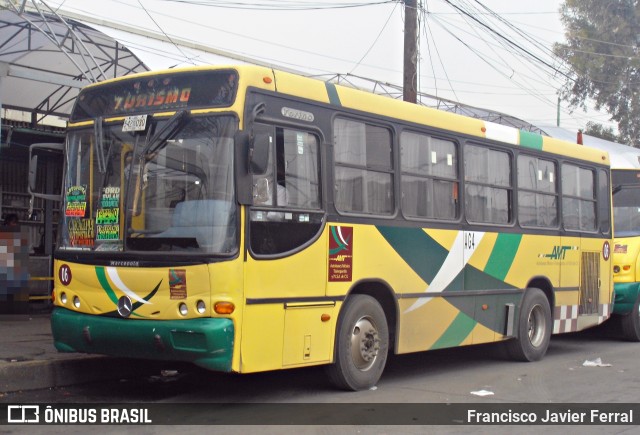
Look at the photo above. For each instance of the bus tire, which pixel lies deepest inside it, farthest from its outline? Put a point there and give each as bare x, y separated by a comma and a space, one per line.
630, 323
362, 343
534, 328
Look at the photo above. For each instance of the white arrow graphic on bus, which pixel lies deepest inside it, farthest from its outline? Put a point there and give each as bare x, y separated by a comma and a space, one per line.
113, 275
457, 258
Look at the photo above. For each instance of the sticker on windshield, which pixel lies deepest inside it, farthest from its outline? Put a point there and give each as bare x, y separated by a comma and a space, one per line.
81, 232
76, 201
110, 197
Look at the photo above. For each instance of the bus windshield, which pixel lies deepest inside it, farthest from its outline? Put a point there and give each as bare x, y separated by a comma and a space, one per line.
167, 187
626, 210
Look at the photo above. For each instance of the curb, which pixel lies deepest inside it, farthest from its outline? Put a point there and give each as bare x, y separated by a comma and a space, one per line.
34, 375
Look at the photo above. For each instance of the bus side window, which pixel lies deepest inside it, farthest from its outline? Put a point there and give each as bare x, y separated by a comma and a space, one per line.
604, 203
287, 202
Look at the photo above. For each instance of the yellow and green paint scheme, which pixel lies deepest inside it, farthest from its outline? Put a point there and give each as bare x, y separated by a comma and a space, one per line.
441, 287
626, 263
449, 287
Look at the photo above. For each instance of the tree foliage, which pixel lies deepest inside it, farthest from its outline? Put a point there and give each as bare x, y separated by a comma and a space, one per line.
598, 130
601, 48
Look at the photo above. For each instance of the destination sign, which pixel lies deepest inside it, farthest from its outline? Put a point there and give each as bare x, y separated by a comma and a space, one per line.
156, 93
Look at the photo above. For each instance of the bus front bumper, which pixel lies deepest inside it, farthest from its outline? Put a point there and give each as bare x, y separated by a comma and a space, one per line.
626, 294
206, 342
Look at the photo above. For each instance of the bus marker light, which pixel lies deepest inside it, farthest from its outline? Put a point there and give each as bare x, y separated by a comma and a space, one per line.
201, 307
325, 317
626, 267
224, 308
53, 296
267, 79
616, 269
485, 307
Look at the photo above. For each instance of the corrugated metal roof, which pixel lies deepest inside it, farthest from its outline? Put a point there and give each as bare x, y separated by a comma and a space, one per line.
45, 59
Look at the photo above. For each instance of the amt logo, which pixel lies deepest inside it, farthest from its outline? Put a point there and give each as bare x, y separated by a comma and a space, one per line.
559, 252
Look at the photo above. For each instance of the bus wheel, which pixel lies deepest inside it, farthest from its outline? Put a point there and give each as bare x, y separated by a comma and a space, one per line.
630, 323
534, 328
362, 342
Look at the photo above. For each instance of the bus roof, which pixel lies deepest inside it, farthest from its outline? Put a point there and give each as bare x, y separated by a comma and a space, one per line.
622, 156
356, 99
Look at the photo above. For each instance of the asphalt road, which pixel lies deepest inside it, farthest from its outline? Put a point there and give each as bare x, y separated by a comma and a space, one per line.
453, 376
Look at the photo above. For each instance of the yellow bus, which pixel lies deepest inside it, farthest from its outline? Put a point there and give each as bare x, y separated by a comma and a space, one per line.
247, 219
626, 250
625, 178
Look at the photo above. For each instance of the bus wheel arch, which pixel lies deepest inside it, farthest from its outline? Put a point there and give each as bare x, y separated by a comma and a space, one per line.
363, 337
534, 327
542, 283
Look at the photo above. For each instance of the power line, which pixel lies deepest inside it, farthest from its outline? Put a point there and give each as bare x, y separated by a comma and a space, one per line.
375, 40
280, 5
508, 41
164, 33
430, 37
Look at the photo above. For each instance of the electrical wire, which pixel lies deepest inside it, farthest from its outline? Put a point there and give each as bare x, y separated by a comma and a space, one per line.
280, 5
537, 55
375, 40
165, 33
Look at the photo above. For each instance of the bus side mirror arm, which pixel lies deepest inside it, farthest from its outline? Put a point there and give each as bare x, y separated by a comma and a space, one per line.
251, 155
242, 159
33, 169
251, 158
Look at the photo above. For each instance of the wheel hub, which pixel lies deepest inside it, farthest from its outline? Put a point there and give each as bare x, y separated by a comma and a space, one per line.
365, 343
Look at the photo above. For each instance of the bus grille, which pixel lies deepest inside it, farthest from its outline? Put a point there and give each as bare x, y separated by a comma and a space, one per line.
589, 282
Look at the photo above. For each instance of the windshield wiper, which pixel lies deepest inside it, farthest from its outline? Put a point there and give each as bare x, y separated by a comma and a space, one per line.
170, 128
99, 141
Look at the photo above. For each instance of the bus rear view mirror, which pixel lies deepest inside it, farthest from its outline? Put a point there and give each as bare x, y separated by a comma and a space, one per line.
41, 153
259, 153
255, 148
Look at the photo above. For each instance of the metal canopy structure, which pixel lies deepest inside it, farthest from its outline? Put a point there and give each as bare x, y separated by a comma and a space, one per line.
45, 59
423, 99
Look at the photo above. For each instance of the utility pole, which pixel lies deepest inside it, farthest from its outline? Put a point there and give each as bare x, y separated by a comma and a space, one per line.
410, 82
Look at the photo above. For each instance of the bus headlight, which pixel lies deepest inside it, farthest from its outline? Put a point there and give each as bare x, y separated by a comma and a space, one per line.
76, 301
183, 309
201, 307
63, 298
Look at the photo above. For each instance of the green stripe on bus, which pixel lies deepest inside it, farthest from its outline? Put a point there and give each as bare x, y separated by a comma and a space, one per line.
476, 279
455, 334
503, 255
530, 140
102, 278
423, 254
333, 94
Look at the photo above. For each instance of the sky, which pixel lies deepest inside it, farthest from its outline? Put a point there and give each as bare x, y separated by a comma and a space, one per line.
468, 55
